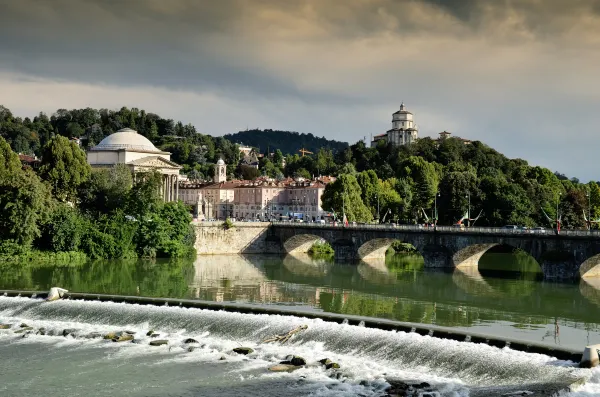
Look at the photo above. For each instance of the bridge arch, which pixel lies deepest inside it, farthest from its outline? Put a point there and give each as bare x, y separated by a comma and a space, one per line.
301, 243
590, 267
376, 248
470, 257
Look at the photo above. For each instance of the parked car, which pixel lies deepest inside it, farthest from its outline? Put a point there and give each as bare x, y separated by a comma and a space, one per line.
539, 229
512, 227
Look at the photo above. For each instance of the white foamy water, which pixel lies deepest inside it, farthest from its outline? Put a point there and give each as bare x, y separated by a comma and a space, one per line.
53, 364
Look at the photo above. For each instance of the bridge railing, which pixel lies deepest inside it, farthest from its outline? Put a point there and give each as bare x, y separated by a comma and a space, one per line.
446, 229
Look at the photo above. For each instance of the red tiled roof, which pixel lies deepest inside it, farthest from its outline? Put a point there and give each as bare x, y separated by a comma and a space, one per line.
27, 159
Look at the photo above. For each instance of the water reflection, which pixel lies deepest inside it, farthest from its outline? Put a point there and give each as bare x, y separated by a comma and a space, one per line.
399, 288
126, 277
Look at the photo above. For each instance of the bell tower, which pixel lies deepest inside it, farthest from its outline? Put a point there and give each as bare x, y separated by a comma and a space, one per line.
220, 171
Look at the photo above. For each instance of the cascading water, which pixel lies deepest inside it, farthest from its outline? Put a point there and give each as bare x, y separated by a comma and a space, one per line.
368, 357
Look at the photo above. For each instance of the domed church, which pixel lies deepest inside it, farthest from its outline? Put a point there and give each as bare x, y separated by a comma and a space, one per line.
128, 147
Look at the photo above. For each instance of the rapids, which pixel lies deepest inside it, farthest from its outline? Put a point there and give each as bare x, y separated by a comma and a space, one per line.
55, 365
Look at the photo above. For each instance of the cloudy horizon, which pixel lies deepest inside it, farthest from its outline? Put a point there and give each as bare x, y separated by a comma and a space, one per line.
518, 75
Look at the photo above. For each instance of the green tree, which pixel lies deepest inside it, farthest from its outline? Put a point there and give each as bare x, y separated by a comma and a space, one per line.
423, 178
64, 167
343, 195
25, 201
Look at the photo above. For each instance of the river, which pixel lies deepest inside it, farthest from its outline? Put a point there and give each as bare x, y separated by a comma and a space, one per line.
491, 300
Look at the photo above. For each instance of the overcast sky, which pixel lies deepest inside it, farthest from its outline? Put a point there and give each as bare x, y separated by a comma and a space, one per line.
522, 76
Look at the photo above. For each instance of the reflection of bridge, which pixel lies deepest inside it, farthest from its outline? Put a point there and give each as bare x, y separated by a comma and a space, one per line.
564, 256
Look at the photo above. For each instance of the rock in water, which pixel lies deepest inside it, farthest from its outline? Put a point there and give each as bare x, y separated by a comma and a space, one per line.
56, 293
332, 365
298, 361
190, 340
5, 326
283, 368
123, 337
150, 333
159, 342
111, 335
243, 350
325, 361
70, 331
25, 329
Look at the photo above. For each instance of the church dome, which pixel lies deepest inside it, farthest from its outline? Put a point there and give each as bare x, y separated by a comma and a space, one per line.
127, 139
220, 162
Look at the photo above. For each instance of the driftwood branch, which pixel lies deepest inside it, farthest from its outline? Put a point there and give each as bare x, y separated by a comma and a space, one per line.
285, 337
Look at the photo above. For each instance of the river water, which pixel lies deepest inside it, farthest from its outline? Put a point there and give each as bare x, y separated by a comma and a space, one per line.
490, 300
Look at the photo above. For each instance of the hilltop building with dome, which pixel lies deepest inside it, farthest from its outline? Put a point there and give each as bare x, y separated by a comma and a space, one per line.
136, 151
404, 130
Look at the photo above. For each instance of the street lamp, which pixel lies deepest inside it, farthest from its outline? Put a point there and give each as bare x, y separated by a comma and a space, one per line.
589, 210
377, 197
435, 213
557, 217
469, 210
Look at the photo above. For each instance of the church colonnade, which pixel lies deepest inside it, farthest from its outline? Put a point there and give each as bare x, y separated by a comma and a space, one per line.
169, 189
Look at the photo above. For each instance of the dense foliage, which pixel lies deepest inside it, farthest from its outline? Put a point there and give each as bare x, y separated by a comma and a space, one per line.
411, 181
286, 141
386, 183
69, 208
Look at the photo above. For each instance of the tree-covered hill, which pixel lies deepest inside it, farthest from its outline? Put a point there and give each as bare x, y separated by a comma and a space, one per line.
286, 141
402, 182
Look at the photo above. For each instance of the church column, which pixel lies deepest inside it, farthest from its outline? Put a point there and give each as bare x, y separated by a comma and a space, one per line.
176, 187
165, 188
170, 188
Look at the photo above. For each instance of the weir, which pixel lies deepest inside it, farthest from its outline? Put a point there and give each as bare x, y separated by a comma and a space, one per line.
367, 322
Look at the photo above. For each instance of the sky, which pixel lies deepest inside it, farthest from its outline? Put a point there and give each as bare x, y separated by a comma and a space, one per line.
519, 75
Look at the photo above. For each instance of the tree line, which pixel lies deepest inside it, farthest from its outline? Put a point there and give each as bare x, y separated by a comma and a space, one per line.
403, 183
408, 182
67, 207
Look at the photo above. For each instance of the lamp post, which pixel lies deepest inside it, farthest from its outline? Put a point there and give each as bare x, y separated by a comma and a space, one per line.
435, 213
469, 210
589, 210
557, 217
377, 197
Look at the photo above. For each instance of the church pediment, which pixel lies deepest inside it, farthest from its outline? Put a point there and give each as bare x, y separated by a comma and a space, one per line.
154, 162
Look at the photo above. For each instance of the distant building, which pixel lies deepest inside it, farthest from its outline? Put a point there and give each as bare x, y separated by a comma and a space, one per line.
245, 150
264, 198
30, 161
250, 160
128, 147
404, 130
445, 135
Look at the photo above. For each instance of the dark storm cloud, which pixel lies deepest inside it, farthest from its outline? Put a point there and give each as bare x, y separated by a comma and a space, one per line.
491, 69
182, 44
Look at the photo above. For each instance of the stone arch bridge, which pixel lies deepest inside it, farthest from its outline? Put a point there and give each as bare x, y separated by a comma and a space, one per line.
566, 256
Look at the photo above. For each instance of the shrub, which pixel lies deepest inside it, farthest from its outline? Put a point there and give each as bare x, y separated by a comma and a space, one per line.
64, 230
398, 247
321, 249
227, 224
